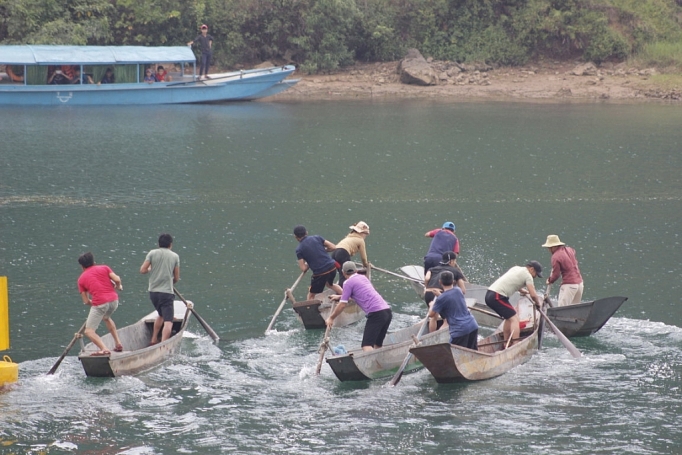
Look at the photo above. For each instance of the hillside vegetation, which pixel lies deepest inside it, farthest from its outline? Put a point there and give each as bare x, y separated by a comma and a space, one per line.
324, 35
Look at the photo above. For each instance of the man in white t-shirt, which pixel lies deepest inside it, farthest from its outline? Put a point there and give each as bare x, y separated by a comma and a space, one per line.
497, 297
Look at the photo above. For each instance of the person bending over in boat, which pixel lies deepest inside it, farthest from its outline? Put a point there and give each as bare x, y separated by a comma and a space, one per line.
564, 264
164, 266
312, 253
351, 244
497, 297
379, 315
432, 278
452, 307
444, 239
95, 287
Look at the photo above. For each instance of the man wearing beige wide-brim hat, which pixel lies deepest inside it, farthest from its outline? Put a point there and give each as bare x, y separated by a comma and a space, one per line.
564, 264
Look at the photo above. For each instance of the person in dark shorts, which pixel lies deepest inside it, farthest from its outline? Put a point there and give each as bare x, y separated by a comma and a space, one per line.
453, 309
163, 266
444, 239
432, 287
497, 297
313, 253
379, 315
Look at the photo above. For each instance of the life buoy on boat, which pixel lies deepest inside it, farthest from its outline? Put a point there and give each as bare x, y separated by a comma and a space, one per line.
12, 75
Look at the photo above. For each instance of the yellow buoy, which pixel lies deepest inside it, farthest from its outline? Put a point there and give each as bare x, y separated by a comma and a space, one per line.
9, 371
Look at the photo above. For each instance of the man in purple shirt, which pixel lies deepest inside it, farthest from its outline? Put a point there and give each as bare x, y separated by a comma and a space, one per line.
379, 315
565, 264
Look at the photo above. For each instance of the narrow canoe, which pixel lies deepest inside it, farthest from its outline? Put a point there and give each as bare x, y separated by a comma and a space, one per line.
138, 355
313, 313
359, 365
585, 318
448, 363
581, 319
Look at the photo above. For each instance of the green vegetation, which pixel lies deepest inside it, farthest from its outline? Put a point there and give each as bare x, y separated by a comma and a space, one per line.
323, 35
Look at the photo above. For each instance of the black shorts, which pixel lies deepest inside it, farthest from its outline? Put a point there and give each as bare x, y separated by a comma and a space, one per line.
431, 261
376, 328
340, 256
500, 304
318, 282
163, 303
467, 341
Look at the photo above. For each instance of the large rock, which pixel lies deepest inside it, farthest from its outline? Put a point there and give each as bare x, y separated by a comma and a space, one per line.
587, 69
414, 69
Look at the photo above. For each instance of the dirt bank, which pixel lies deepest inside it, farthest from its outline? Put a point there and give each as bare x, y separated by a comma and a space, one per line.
545, 81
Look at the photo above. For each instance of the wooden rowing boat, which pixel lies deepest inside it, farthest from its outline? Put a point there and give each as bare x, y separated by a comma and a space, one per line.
448, 363
359, 365
581, 319
138, 355
585, 318
313, 313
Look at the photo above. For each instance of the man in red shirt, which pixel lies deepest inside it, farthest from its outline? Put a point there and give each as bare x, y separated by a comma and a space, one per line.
97, 285
564, 264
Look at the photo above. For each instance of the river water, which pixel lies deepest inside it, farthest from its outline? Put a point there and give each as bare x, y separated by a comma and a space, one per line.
230, 182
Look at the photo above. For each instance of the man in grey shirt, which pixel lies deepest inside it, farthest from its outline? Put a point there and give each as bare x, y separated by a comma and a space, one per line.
163, 266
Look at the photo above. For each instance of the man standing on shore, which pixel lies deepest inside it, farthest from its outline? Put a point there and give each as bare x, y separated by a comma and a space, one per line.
206, 46
564, 264
164, 266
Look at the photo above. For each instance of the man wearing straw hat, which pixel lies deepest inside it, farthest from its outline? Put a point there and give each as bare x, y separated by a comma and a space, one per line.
564, 264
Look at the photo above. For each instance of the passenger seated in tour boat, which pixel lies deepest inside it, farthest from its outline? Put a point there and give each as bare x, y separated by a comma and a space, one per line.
452, 307
161, 74
149, 76
61, 76
108, 77
79, 78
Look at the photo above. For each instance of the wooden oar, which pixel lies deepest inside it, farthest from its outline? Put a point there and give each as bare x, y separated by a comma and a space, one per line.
284, 300
399, 374
546, 299
78, 335
201, 320
404, 277
324, 345
564, 340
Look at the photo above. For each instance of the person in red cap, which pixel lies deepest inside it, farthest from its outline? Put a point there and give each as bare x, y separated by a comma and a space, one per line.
206, 46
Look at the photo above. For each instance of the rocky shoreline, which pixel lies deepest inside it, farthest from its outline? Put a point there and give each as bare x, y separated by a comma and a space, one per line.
558, 81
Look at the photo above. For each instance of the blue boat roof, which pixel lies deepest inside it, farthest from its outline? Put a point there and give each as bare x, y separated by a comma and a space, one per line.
93, 55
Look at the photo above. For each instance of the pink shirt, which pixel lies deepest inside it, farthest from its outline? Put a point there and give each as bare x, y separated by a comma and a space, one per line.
95, 280
564, 263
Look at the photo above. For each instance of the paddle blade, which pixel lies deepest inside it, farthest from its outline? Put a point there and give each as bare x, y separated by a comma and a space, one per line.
564, 340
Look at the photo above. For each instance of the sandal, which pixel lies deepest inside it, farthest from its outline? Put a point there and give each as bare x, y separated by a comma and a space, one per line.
118, 348
100, 353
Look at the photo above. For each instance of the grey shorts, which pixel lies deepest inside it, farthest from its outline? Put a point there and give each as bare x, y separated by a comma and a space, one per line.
99, 312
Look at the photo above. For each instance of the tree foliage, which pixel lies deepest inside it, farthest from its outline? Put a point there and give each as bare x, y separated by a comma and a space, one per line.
322, 35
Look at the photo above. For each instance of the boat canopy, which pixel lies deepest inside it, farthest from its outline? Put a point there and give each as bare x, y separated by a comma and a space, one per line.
93, 55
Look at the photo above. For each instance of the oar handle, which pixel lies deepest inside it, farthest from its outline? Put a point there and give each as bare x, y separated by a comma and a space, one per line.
399, 374
201, 320
76, 336
324, 345
409, 278
284, 300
